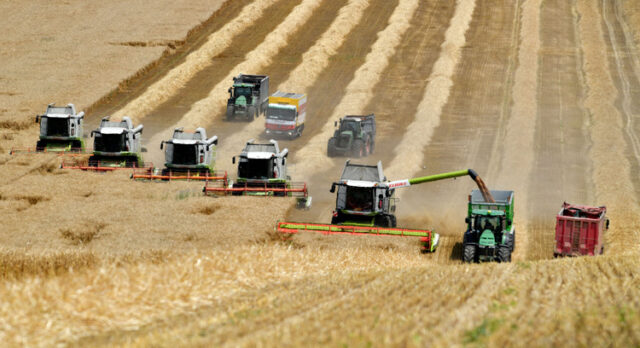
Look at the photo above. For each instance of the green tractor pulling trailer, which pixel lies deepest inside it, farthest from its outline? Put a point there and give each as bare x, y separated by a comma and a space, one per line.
355, 136
248, 97
490, 234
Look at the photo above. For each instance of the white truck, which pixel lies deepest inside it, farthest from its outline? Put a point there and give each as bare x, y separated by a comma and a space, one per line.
286, 114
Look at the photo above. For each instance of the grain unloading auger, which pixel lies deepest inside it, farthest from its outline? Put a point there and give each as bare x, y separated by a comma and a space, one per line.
262, 171
188, 156
365, 204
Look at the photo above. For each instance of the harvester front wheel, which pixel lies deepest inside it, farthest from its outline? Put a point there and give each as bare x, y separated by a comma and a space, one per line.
504, 254
469, 254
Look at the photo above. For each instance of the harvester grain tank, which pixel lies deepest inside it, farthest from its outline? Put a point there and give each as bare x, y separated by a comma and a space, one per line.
580, 230
355, 136
116, 145
60, 129
490, 235
188, 156
262, 171
248, 97
286, 114
365, 204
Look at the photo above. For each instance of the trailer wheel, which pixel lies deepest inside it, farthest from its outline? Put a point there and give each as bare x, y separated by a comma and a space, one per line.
367, 147
504, 254
469, 254
251, 113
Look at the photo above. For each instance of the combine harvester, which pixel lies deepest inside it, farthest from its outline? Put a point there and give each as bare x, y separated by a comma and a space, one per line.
188, 156
262, 171
60, 131
116, 145
365, 205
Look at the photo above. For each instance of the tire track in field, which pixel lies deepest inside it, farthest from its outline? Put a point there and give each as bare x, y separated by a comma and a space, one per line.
611, 167
167, 86
625, 83
427, 117
202, 111
360, 90
519, 153
314, 61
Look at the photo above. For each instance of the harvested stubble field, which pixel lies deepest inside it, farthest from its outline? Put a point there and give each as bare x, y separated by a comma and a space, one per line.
539, 96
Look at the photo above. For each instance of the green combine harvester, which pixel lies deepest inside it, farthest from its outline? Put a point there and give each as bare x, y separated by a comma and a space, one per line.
60, 129
365, 204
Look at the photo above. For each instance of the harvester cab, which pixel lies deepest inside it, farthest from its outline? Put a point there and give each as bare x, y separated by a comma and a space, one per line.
248, 96
363, 198
116, 144
189, 152
490, 234
60, 129
354, 136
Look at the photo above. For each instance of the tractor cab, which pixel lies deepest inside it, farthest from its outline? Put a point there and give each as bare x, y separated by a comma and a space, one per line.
60, 129
363, 198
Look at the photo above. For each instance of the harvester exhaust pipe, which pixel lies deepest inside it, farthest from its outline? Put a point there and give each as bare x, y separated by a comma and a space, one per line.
486, 194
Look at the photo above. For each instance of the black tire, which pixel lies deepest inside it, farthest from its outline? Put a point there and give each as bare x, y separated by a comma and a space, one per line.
504, 253
469, 253
383, 220
373, 144
367, 147
512, 241
229, 112
358, 148
331, 147
40, 146
251, 113
394, 221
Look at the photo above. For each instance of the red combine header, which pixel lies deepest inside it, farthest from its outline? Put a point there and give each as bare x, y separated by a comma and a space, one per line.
580, 230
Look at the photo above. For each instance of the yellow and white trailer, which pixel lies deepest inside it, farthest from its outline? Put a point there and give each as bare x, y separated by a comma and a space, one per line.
286, 114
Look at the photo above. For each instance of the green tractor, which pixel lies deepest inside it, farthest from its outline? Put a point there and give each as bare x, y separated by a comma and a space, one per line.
490, 234
248, 97
355, 136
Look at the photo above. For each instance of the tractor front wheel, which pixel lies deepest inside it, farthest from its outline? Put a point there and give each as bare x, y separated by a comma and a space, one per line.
504, 254
469, 254
229, 112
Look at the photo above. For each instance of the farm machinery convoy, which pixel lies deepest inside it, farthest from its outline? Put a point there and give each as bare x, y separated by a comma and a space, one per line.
365, 203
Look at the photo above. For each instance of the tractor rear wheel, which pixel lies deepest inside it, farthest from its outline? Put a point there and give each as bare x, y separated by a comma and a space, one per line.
331, 147
504, 253
469, 254
358, 148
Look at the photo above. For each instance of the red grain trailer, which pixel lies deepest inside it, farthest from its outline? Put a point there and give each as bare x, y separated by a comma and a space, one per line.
580, 230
